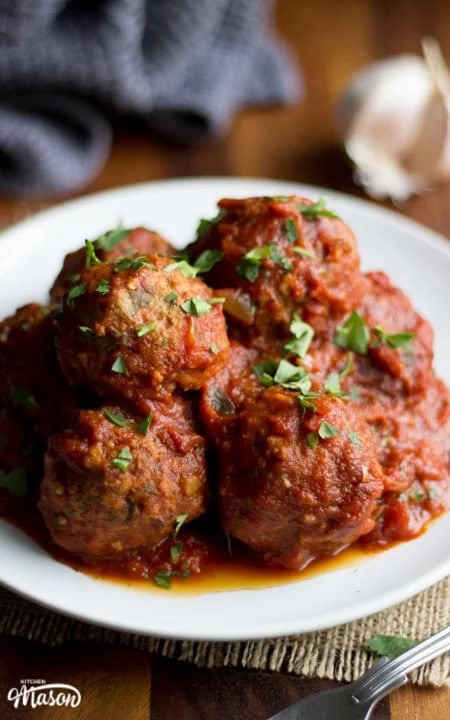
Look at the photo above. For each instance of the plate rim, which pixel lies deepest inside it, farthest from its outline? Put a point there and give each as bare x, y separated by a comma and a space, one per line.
415, 585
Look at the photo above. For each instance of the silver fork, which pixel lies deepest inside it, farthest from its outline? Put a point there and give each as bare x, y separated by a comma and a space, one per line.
357, 700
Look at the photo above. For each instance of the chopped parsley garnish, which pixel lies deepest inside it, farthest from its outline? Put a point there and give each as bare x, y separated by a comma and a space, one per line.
433, 494
353, 394
86, 331
288, 376
145, 329
326, 430
110, 239
217, 300
123, 459
179, 522
318, 209
332, 385
354, 439
91, 257
132, 263
175, 552
197, 306
353, 334
304, 252
119, 366
207, 259
249, 265
303, 334
115, 417
143, 426
183, 267
103, 287
290, 230
390, 645
392, 340
163, 580
15, 482
206, 224
348, 367
220, 401
74, 277
171, 297
417, 496
214, 348
23, 398
312, 440
75, 292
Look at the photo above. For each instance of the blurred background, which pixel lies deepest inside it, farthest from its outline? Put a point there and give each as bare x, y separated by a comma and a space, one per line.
284, 128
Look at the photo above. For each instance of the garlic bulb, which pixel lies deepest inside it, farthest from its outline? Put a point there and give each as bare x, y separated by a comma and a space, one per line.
395, 120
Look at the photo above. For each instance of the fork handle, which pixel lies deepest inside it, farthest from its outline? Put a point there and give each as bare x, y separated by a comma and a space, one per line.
385, 674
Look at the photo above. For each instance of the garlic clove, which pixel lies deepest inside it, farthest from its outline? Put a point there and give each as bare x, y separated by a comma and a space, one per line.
395, 122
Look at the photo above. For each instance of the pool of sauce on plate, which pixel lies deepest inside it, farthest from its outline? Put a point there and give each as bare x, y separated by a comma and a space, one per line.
205, 560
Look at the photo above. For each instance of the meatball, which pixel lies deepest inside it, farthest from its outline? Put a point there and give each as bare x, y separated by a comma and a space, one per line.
386, 307
293, 484
111, 484
117, 243
139, 329
280, 258
31, 381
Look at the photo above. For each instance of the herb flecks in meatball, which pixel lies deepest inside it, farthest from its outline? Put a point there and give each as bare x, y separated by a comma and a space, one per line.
118, 482
138, 327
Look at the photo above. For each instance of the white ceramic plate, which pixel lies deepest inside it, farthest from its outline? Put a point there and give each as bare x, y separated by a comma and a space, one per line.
415, 258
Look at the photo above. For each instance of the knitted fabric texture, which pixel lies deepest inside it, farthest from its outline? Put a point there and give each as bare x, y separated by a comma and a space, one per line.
182, 66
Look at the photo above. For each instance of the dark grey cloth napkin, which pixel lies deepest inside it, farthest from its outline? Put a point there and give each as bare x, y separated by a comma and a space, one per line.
183, 66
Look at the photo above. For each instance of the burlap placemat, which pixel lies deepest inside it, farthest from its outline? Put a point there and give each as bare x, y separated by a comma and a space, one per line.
336, 654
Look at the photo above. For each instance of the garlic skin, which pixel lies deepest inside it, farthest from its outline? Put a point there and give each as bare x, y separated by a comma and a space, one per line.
395, 121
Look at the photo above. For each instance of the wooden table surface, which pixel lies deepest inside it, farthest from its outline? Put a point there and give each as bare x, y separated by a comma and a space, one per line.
332, 40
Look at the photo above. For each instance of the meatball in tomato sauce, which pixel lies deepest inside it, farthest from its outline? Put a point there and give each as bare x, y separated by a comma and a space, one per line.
280, 256
118, 482
138, 328
31, 381
110, 246
293, 484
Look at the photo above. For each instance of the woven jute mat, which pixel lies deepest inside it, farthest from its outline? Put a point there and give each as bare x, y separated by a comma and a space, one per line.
337, 654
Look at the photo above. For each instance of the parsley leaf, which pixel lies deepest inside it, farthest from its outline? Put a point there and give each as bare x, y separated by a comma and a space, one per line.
318, 209
353, 334
110, 239
145, 329
143, 426
354, 439
394, 340
103, 287
75, 292
119, 366
163, 580
290, 230
15, 482
206, 224
207, 259
303, 334
123, 459
86, 331
197, 306
91, 257
222, 404
249, 265
390, 645
332, 385
179, 521
303, 251
23, 398
326, 430
214, 348
175, 552
348, 367
171, 297
132, 263
115, 417
312, 440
